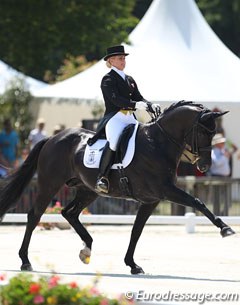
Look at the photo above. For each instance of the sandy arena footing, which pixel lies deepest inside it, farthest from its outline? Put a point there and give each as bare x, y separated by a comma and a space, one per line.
177, 264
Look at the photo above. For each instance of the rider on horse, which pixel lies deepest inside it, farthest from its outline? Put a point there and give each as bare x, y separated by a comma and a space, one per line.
121, 97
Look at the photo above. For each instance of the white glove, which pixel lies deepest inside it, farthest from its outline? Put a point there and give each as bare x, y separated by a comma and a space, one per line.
156, 107
141, 106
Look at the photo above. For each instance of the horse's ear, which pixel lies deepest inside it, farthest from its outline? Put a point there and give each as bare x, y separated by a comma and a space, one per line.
218, 114
213, 115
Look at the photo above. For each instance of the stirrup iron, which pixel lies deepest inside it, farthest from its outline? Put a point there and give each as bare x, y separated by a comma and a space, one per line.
102, 185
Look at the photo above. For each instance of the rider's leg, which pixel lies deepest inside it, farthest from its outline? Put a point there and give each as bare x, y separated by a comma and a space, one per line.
114, 128
106, 162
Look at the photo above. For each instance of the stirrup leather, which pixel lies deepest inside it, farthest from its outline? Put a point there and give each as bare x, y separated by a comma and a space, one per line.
102, 185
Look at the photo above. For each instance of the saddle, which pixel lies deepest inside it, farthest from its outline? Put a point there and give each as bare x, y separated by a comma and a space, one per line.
124, 154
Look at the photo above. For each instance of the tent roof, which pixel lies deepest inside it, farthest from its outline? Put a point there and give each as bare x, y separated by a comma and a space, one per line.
7, 74
174, 55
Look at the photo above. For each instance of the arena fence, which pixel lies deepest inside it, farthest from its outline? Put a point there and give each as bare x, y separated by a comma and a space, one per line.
190, 220
221, 195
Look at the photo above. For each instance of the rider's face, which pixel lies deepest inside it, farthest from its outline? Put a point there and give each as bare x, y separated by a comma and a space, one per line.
118, 62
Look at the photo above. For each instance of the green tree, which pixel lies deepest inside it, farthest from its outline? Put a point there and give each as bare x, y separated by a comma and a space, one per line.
141, 7
70, 67
36, 36
224, 18
15, 104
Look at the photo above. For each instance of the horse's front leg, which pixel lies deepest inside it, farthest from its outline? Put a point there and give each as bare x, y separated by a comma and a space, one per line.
177, 195
143, 214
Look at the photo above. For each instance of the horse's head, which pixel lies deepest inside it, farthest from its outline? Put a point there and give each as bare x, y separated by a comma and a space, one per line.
191, 127
200, 139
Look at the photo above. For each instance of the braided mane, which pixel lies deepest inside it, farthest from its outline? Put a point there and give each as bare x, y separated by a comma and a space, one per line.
174, 106
182, 103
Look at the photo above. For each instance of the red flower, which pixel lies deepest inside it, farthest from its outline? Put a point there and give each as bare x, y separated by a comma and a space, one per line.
2, 277
58, 204
34, 288
104, 302
53, 281
94, 291
38, 299
73, 285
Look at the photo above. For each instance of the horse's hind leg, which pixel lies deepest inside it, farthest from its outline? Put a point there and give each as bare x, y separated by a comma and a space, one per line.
71, 212
34, 216
46, 190
23, 252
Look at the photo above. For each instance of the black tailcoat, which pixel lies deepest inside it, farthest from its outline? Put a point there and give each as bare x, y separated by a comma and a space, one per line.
118, 94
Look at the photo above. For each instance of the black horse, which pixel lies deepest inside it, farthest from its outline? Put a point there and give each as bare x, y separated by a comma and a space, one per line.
58, 160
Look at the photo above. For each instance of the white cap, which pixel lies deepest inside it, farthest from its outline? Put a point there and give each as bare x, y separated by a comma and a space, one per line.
41, 121
218, 138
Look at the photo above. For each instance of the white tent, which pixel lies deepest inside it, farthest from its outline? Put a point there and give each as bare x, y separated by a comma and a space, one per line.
174, 55
7, 74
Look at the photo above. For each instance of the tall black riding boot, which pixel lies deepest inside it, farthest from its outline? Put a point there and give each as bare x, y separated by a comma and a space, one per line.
106, 162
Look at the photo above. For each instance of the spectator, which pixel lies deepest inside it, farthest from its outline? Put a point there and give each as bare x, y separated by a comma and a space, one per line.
23, 156
230, 146
3, 166
58, 128
9, 142
220, 157
37, 134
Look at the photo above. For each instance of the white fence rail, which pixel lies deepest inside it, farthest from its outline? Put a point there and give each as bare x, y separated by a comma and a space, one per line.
190, 220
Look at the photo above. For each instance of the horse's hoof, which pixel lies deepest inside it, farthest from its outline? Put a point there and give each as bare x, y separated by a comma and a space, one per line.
84, 255
137, 270
227, 231
26, 267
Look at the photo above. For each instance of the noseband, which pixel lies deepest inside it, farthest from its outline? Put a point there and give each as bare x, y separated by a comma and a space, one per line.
191, 152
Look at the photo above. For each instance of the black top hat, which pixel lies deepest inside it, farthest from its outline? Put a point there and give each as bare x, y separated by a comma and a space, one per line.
116, 50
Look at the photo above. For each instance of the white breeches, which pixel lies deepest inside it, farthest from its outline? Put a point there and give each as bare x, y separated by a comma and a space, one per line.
115, 126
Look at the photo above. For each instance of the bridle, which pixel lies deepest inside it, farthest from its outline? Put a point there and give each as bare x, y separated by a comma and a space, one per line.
192, 151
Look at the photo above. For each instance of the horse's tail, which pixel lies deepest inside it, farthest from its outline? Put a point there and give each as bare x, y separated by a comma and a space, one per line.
14, 185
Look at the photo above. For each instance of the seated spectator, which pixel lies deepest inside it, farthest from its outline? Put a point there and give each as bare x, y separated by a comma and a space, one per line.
220, 157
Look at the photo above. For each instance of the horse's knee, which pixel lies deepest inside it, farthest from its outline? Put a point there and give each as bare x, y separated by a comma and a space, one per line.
64, 213
199, 204
71, 212
34, 216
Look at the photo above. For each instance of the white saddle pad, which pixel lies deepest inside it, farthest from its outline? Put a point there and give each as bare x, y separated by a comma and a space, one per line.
92, 154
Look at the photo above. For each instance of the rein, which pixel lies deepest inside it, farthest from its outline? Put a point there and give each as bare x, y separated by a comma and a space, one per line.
191, 152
